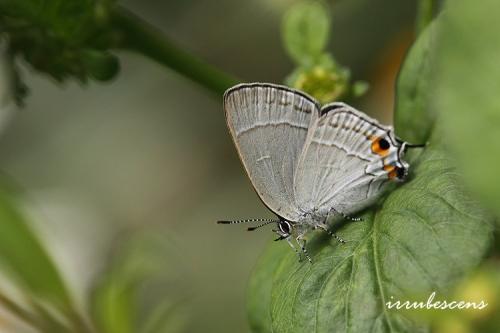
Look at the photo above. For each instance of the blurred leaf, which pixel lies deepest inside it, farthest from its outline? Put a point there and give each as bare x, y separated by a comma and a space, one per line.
467, 96
7, 303
24, 258
117, 302
306, 27
36, 316
49, 322
413, 118
481, 287
426, 234
114, 304
115, 296
326, 81
425, 14
359, 88
165, 318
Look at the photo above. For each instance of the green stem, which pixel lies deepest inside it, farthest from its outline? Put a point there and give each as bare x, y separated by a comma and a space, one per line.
137, 35
425, 13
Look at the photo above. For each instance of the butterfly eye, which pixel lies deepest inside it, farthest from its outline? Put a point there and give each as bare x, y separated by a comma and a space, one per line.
285, 227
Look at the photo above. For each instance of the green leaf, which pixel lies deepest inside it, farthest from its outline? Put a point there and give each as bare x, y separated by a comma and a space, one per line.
467, 95
114, 304
423, 237
482, 285
413, 119
24, 258
165, 317
326, 81
260, 287
119, 302
306, 27
359, 88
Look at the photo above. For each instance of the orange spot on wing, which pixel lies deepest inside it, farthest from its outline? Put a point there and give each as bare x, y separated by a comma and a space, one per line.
389, 168
376, 147
392, 171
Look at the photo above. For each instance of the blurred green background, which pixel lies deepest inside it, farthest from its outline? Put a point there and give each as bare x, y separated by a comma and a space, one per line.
146, 163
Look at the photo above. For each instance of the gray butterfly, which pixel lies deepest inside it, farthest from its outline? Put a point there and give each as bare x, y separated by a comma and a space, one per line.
310, 163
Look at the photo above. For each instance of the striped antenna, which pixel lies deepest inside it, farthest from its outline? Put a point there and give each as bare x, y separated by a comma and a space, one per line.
245, 221
412, 145
264, 222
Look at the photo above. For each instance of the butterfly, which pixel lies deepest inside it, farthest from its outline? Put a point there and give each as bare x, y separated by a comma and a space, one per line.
309, 163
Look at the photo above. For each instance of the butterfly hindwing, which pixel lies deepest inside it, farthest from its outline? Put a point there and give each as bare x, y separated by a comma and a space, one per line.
341, 166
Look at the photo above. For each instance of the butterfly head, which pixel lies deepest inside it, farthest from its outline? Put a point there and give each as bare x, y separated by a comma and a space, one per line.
285, 228
403, 166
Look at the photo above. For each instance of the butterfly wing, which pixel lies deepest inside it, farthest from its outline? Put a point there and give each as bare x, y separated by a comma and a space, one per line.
344, 164
269, 125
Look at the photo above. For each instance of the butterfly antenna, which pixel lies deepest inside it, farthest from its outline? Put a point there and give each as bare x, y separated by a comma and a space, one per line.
421, 145
262, 224
410, 145
266, 221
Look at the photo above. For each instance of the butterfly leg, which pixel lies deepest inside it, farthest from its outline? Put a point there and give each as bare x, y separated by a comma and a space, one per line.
302, 243
282, 236
345, 216
325, 228
293, 247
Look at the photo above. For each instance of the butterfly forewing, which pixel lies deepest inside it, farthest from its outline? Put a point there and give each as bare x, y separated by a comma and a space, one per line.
269, 126
338, 167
